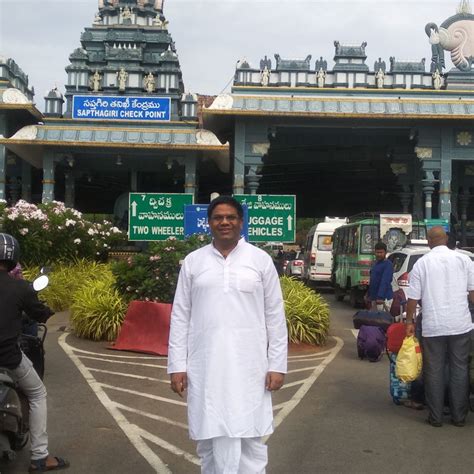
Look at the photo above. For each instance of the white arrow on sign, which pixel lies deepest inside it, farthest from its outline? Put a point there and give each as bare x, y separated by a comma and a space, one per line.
290, 223
134, 208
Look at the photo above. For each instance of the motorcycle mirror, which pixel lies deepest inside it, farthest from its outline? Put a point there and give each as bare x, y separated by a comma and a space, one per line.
41, 283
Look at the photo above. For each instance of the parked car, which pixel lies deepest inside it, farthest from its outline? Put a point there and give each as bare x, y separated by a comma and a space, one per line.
403, 261
294, 267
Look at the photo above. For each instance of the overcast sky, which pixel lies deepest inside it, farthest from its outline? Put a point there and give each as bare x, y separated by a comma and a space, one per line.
211, 35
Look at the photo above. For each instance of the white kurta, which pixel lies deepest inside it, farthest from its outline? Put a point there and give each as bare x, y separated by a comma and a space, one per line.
228, 330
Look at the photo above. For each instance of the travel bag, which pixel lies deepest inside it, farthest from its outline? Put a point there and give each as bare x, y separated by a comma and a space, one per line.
381, 319
399, 391
395, 334
370, 343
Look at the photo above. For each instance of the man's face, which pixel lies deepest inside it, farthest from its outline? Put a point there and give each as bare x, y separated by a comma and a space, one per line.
225, 224
380, 254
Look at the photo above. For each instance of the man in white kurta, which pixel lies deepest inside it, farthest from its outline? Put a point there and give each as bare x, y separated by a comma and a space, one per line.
228, 345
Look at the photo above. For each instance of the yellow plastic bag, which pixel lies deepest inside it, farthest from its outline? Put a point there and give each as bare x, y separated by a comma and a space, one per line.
409, 360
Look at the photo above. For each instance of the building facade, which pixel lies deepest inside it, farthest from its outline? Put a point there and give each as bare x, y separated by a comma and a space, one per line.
125, 122
395, 137
352, 138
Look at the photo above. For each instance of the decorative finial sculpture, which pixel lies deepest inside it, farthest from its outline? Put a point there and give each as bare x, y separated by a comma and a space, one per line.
95, 81
321, 77
149, 83
122, 77
380, 77
437, 80
464, 7
265, 77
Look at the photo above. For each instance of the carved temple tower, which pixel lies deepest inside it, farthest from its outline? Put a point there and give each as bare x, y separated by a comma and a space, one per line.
127, 51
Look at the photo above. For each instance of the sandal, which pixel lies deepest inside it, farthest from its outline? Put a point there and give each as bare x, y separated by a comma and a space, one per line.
39, 465
413, 405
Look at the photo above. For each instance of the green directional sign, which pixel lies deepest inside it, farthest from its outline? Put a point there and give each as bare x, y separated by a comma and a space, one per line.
271, 218
157, 216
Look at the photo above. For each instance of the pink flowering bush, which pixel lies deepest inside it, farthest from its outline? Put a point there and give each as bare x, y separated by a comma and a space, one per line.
50, 233
153, 275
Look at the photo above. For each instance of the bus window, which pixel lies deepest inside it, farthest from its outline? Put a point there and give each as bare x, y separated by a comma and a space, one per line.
325, 242
369, 236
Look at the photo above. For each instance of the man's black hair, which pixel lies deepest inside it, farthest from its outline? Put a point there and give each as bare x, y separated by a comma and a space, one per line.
230, 201
380, 246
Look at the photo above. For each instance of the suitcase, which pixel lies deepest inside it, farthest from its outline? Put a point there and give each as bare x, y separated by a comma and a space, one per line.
381, 319
399, 391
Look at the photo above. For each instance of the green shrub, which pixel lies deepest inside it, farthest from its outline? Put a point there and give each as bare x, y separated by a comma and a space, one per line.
64, 281
98, 309
307, 313
153, 275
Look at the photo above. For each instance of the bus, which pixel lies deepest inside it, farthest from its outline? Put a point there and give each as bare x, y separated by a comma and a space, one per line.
317, 258
353, 250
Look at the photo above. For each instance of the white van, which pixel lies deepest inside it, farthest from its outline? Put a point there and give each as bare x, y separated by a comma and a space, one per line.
318, 251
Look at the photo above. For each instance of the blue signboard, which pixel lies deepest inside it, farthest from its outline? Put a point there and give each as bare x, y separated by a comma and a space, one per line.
195, 220
104, 107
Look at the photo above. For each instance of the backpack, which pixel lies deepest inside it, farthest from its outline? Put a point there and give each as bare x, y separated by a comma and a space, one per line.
370, 343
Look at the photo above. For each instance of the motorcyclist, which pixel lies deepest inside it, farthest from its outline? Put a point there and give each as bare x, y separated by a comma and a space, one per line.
17, 296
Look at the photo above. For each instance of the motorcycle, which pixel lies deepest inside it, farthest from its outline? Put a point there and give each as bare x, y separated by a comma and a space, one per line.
14, 408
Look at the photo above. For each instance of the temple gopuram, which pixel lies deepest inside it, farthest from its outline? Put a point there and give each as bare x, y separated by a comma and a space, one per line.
124, 124
343, 136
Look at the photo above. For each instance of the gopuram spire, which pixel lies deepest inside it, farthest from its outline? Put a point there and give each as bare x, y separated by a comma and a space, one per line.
156, 4
128, 51
465, 7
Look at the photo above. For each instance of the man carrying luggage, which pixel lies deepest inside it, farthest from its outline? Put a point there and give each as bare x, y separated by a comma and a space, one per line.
441, 280
380, 292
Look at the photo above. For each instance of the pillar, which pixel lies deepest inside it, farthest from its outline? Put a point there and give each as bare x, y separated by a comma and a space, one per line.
48, 177
239, 157
445, 176
134, 181
428, 189
190, 181
26, 181
15, 189
3, 164
3, 158
70, 189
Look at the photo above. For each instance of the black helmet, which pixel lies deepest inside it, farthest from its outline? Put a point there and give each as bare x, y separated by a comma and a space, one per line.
9, 251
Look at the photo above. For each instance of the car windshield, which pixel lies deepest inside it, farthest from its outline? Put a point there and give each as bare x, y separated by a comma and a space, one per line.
413, 260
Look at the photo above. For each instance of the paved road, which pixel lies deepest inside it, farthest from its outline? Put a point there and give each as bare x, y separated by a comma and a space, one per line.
113, 412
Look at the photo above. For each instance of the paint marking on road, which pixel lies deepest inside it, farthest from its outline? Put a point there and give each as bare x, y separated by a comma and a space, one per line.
280, 406
156, 366
295, 400
316, 354
133, 376
143, 394
82, 351
292, 384
169, 447
304, 369
312, 359
152, 416
131, 431
355, 332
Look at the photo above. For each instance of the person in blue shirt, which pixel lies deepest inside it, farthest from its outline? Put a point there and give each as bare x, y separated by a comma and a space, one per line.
381, 274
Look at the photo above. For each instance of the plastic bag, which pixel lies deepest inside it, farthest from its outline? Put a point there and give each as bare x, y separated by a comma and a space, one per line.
409, 360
